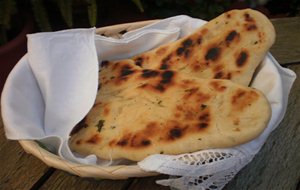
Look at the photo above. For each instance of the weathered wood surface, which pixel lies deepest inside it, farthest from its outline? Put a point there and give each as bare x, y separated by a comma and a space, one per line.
287, 45
19, 170
276, 166
63, 180
148, 183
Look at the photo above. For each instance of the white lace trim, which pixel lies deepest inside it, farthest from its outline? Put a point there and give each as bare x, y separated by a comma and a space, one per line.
205, 182
216, 166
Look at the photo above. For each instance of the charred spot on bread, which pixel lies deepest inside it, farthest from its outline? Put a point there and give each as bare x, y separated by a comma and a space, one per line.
184, 49
149, 73
202, 97
187, 43
248, 18
143, 85
203, 107
219, 75
251, 27
238, 95
204, 117
126, 70
213, 54
139, 140
146, 142
93, 139
115, 65
199, 40
236, 121
242, 99
78, 142
218, 86
231, 35
167, 76
187, 53
122, 142
203, 125
228, 76
175, 133
123, 31
164, 63
180, 51
104, 63
190, 92
242, 58
164, 66
228, 15
82, 124
163, 83
196, 67
160, 87
139, 61
99, 86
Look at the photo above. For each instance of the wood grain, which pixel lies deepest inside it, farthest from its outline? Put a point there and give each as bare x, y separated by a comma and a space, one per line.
277, 165
19, 170
287, 45
62, 180
148, 183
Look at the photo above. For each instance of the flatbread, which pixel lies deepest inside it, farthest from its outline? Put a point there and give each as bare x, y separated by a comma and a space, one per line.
139, 112
230, 46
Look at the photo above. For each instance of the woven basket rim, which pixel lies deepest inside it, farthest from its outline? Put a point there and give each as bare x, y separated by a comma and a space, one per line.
84, 170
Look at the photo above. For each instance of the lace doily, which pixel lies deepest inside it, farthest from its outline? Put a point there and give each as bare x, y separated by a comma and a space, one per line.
216, 166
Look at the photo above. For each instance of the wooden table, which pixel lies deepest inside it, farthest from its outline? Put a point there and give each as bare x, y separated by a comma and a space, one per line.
276, 166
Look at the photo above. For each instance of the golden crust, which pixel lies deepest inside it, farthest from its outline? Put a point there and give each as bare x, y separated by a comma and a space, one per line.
228, 47
175, 99
139, 112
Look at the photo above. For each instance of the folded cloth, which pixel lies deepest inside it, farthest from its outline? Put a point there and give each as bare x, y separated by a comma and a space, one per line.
55, 84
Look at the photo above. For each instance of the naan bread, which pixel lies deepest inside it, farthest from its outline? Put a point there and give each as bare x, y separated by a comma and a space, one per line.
139, 112
228, 47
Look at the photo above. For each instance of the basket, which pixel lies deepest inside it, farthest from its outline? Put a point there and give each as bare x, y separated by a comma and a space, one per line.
82, 170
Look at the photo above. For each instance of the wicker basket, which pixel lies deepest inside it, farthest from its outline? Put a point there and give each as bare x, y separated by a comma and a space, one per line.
98, 172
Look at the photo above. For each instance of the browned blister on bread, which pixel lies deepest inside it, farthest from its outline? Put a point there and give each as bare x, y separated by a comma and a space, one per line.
139, 112
230, 46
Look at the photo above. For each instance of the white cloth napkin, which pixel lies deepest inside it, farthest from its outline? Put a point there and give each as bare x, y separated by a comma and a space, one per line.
54, 86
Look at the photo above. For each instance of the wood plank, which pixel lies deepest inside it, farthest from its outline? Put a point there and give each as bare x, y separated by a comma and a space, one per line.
287, 46
63, 180
148, 183
277, 165
19, 170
